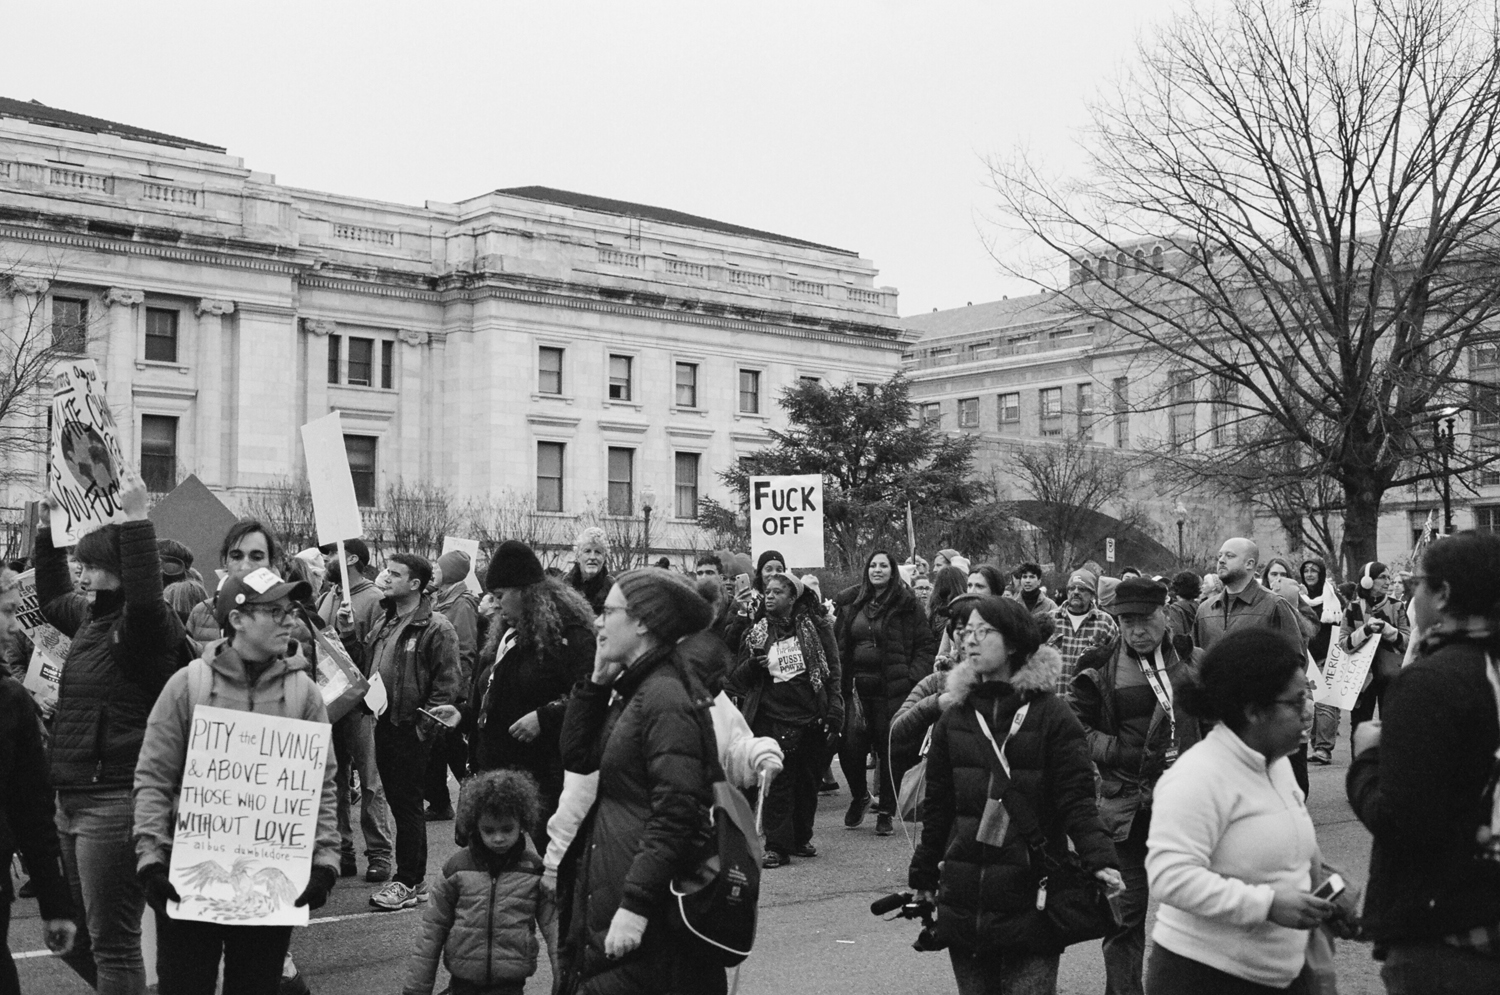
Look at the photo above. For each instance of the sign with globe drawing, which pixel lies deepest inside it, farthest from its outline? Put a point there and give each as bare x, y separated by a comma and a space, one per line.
87, 465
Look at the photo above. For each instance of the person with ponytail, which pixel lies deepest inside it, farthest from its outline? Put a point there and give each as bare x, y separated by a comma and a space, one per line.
1004, 704
1424, 780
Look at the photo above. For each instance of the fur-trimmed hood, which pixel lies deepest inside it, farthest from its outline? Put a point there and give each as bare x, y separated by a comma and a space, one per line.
1041, 673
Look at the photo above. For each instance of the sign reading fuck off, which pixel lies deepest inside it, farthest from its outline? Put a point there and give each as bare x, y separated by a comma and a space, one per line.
84, 475
247, 818
786, 514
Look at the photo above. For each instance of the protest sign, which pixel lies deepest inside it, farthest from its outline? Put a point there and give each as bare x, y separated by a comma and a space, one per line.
471, 547
786, 514
195, 517
86, 471
247, 817
335, 509
1314, 676
49, 647
1344, 672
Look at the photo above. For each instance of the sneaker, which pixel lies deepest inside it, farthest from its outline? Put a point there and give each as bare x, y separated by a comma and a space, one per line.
295, 985
805, 850
883, 825
775, 858
855, 817
380, 870
1320, 758
440, 814
348, 866
828, 787
396, 896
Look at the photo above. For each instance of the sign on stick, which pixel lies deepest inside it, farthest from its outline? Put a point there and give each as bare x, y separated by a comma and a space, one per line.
1344, 672
786, 514
335, 509
86, 467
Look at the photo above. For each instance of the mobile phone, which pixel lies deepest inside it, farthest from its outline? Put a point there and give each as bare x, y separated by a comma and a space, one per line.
1330, 889
431, 716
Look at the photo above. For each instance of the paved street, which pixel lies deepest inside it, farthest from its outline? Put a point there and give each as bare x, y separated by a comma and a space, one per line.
816, 934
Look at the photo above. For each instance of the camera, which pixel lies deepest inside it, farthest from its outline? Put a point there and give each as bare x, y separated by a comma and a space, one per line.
907, 906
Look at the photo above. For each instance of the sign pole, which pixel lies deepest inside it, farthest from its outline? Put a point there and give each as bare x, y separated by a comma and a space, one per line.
344, 573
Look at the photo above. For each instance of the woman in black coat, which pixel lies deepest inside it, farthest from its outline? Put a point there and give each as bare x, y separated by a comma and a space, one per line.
981, 877
886, 645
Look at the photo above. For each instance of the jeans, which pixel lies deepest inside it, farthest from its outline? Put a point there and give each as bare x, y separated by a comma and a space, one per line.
1125, 949
852, 753
188, 962
1325, 731
1004, 972
1436, 968
354, 746
1364, 705
1174, 974
94, 828
792, 802
449, 753
402, 758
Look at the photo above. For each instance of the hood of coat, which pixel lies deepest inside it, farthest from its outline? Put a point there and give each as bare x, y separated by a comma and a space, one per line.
219, 655
1041, 673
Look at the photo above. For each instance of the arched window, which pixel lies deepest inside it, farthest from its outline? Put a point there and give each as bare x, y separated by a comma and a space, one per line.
1122, 264
1103, 268
1156, 258
1140, 260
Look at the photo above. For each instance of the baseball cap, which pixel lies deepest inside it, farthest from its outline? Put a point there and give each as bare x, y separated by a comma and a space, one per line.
260, 587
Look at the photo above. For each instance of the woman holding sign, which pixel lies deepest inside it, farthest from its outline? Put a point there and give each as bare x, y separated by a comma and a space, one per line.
1373, 615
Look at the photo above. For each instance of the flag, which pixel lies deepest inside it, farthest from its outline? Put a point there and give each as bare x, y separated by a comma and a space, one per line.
911, 533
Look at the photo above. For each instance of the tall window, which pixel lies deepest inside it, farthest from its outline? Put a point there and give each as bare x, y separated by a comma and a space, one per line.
930, 414
1183, 413
1487, 406
968, 412
70, 324
1487, 518
687, 385
621, 481
549, 476
687, 485
361, 452
749, 392
549, 378
1086, 412
1052, 410
1224, 413
159, 453
161, 335
1010, 410
387, 363
333, 358
1120, 400
361, 362
1416, 523
619, 378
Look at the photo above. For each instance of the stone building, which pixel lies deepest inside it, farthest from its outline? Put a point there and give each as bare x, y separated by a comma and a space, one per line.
571, 348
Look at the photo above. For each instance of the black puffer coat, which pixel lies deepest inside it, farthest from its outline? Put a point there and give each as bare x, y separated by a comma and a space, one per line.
904, 639
125, 646
642, 734
26, 804
984, 889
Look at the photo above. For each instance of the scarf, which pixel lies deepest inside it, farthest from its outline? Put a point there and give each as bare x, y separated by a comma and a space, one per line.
759, 637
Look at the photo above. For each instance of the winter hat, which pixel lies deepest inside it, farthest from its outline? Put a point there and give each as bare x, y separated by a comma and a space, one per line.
948, 554
175, 558
1086, 577
960, 561
811, 580
767, 557
1139, 596
797, 587
591, 536
455, 565
1107, 586
513, 565
665, 603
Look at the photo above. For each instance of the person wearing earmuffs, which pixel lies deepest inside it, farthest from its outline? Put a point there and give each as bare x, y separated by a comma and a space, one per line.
1373, 615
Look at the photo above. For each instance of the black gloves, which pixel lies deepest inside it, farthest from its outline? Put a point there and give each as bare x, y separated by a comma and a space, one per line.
157, 886
319, 883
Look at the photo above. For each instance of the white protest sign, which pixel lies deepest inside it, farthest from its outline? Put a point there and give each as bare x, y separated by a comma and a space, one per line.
247, 817
470, 547
1315, 676
335, 509
786, 514
86, 467
1344, 672
49, 647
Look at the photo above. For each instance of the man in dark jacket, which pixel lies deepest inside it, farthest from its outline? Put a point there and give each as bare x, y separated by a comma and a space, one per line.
126, 643
1243, 602
459, 606
414, 654
1125, 695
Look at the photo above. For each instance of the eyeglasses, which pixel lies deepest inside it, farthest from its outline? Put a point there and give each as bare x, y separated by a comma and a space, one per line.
276, 613
976, 632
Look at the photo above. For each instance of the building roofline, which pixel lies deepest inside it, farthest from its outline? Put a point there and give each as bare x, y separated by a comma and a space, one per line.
53, 117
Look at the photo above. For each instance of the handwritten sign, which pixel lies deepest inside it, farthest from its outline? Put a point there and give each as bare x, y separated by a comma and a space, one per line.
86, 467
335, 508
471, 547
247, 817
786, 514
49, 647
1344, 672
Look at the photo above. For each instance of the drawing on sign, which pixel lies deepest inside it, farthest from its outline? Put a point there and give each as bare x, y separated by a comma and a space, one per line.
49, 647
86, 467
229, 893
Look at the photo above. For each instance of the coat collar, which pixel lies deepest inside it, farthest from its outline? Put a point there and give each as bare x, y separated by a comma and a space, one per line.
1041, 673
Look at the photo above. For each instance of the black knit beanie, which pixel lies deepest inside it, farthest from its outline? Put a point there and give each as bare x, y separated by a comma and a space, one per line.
513, 565
665, 603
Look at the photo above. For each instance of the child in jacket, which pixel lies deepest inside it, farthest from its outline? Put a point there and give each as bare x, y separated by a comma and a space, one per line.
489, 904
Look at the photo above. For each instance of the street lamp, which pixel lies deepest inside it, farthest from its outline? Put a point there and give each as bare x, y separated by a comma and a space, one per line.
1180, 510
1442, 441
648, 501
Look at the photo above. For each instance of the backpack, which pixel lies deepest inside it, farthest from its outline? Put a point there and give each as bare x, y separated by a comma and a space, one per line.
200, 685
716, 900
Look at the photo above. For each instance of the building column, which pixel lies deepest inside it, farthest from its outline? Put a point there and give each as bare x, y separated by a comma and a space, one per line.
214, 324
119, 361
261, 423
412, 437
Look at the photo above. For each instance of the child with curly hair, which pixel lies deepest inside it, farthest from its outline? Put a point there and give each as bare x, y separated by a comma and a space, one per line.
489, 903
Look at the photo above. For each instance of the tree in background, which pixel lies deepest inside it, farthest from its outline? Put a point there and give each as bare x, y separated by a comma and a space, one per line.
1070, 483
1293, 207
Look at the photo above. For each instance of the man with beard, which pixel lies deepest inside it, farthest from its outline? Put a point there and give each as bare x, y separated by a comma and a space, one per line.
1243, 603
1079, 626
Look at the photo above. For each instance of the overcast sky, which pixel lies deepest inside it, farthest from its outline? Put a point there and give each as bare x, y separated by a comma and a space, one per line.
860, 125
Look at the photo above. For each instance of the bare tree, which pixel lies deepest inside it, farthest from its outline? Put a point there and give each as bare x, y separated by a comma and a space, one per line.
1070, 484
285, 507
511, 514
413, 519
1323, 183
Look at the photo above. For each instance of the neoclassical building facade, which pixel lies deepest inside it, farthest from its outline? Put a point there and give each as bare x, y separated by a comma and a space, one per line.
568, 347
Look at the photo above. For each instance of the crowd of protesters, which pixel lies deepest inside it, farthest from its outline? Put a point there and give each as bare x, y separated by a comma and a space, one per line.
1154, 733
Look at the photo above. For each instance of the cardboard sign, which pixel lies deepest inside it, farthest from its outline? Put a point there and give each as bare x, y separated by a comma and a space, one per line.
786, 514
335, 508
1344, 672
471, 547
49, 647
247, 817
195, 517
86, 468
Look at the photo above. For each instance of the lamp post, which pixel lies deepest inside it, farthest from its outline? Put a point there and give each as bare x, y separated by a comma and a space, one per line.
1442, 441
648, 501
1180, 510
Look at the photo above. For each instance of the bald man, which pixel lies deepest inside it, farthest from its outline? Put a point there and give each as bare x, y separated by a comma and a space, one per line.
1243, 603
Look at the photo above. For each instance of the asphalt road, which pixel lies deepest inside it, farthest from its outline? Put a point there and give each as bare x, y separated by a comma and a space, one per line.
816, 932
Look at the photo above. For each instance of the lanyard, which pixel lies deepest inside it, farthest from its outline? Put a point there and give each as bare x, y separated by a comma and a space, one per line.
1161, 686
999, 749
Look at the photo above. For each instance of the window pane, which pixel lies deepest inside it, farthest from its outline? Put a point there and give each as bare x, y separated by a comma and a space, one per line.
749, 392
333, 359
687, 385
1487, 518
361, 452
932, 415
968, 412
549, 476
687, 485
549, 370
159, 453
1010, 408
161, 335
619, 378
70, 322
361, 361
387, 364
620, 480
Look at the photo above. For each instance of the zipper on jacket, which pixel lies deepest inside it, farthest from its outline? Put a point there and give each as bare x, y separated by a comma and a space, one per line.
489, 938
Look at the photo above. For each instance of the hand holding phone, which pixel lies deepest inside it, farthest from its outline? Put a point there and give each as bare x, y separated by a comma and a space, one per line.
1330, 889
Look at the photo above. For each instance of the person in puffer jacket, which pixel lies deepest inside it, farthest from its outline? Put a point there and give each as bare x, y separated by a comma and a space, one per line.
980, 876
126, 642
489, 903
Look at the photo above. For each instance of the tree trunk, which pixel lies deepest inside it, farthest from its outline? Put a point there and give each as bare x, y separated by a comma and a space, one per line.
1361, 524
